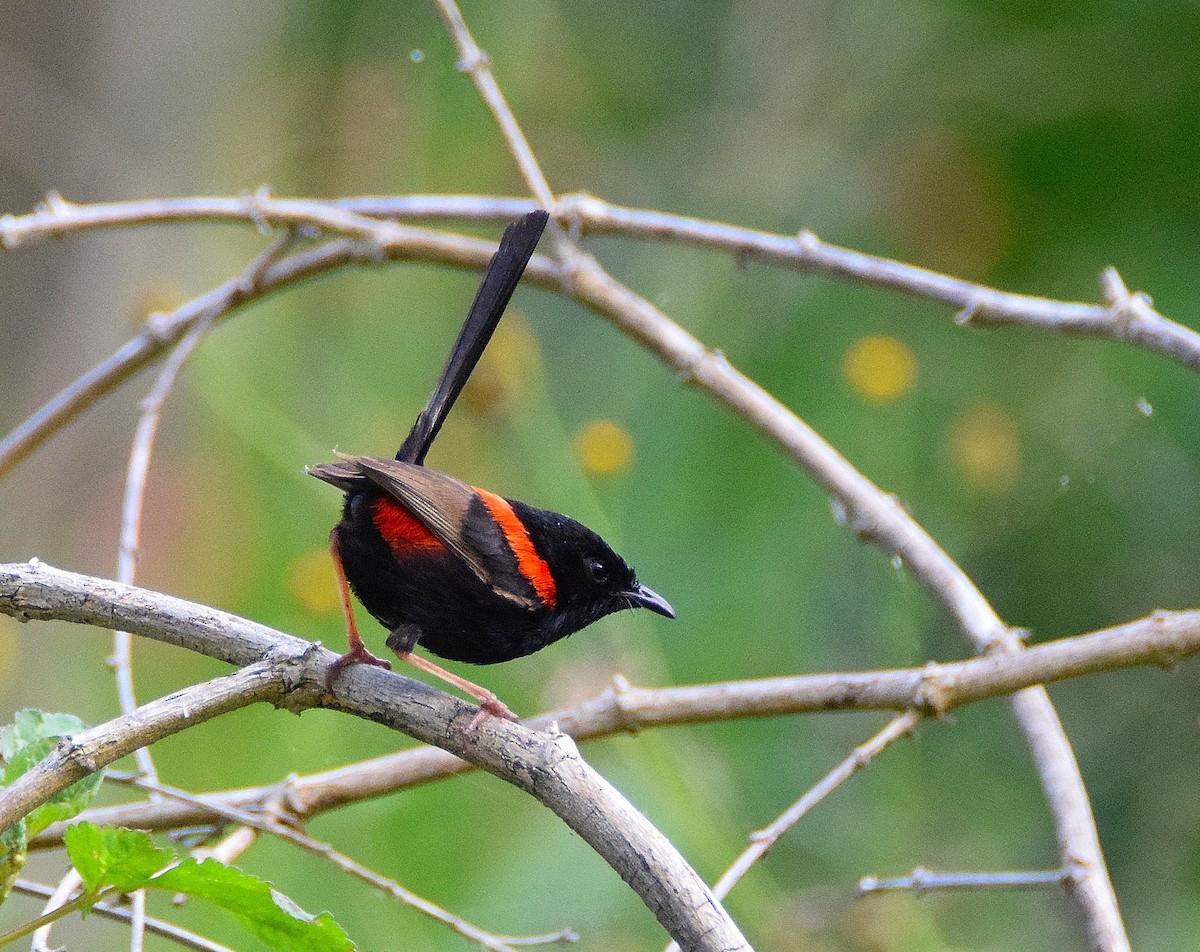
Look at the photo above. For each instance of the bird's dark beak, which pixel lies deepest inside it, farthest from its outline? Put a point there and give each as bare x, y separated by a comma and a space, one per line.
652, 600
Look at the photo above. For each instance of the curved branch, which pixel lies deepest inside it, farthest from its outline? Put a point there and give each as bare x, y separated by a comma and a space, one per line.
880, 518
1164, 639
163, 331
546, 765
1124, 315
872, 514
82, 754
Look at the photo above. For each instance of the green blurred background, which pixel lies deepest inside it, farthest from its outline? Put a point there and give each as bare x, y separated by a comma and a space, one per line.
1022, 145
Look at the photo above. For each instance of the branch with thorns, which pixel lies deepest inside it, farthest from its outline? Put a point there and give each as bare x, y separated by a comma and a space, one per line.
369, 231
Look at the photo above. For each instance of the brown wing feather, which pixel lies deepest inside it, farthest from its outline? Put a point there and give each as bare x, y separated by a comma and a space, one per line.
440, 502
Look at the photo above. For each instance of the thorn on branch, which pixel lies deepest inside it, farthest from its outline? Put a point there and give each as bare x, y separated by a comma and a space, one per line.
968, 313
932, 698
473, 61
807, 241
625, 722
1116, 292
55, 205
254, 203
162, 328
9, 238
1006, 641
1125, 307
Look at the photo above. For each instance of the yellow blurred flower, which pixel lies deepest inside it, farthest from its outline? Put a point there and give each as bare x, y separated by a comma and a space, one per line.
313, 584
986, 447
604, 447
880, 367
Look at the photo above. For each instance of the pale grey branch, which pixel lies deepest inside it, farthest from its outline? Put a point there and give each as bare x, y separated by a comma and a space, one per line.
177, 934
548, 766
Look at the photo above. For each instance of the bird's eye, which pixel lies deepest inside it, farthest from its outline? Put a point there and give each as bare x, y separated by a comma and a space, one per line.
597, 571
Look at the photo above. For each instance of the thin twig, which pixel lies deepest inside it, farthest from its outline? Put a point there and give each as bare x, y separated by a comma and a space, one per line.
128, 551
546, 765
266, 823
476, 64
54, 913
1129, 316
56, 216
859, 758
924, 880
762, 840
164, 330
177, 934
67, 887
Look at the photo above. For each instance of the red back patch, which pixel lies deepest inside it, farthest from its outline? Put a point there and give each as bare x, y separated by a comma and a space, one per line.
405, 534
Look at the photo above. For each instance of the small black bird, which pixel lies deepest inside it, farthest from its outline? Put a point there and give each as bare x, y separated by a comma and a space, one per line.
467, 574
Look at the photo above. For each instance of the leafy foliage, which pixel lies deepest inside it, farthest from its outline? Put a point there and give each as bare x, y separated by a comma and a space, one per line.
114, 859
24, 744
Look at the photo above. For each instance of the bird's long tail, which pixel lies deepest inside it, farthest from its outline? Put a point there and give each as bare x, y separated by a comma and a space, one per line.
499, 282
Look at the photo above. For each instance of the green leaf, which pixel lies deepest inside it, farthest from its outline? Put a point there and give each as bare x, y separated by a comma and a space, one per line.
12, 857
268, 914
27, 742
30, 725
111, 856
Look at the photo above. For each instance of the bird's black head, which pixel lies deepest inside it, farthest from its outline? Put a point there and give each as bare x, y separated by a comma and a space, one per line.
591, 579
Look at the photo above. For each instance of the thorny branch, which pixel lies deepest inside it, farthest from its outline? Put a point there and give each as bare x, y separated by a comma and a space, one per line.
289, 672
374, 235
1164, 640
282, 826
878, 517
178, 935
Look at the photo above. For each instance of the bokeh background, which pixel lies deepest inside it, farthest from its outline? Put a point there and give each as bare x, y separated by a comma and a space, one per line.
1023, 145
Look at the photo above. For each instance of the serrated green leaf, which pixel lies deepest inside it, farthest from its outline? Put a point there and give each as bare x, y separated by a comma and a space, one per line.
63, 805
30, 725
111, 856
27, 755
26, 743
265, 912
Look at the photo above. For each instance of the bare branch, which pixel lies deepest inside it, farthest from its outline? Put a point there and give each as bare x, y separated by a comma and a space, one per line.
1127, 316
879, 518
925, 880
164, 330
762, 840
56, 216
68, 887
267, 823
548, 766
76, 757
477, 65
137, 474
1164, 639
108, 910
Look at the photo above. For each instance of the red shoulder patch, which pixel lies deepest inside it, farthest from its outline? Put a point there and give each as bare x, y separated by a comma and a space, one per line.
405, 534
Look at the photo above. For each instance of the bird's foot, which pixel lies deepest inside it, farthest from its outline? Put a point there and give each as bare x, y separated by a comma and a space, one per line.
358, 654
490, 706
